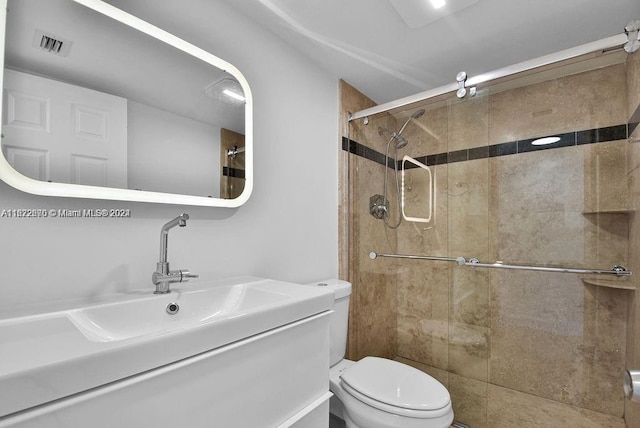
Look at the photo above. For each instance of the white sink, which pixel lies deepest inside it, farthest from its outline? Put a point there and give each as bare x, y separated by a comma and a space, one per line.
50, 355
149, 317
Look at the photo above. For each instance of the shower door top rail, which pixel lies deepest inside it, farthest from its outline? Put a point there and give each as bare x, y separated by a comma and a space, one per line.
617, 270
601, 46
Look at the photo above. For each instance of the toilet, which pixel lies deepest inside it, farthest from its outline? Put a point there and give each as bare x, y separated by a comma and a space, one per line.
377, 392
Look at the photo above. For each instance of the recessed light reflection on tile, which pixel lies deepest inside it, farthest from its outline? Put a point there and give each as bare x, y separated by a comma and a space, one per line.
545, 141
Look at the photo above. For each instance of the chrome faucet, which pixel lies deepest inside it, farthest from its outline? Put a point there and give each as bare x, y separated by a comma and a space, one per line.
163, 276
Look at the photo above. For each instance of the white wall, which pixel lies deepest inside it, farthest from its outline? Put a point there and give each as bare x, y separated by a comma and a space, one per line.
171, 153
287, 230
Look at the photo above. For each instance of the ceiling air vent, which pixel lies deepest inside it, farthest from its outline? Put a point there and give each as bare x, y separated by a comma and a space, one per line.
50, 43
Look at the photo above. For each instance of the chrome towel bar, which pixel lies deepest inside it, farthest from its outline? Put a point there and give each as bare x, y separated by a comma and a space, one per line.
461, 261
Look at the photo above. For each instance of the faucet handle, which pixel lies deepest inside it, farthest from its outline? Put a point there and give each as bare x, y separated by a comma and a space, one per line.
185, 275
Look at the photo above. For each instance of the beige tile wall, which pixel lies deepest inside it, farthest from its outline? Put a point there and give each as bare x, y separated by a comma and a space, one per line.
582, 101
508, 408
423, 290
373, 310
632, 410
552, 336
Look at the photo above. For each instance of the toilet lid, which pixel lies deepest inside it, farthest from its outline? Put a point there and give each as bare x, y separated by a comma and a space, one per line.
396, 384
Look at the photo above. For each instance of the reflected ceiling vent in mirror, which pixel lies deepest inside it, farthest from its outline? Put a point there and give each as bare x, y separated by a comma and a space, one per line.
227, 91
50, 43
418, 13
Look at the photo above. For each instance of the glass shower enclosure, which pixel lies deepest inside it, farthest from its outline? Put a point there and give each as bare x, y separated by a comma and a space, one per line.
480, 196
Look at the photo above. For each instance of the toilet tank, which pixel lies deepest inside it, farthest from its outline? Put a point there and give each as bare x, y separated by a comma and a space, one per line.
339, 317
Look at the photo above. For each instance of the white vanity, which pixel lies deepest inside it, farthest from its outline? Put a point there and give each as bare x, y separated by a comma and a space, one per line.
242, 352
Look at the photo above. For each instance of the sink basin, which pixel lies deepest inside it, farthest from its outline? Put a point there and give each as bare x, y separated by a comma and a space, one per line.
53, 354
150, 316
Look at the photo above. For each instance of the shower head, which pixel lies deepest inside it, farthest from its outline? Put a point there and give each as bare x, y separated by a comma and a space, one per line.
401, 142
416, 114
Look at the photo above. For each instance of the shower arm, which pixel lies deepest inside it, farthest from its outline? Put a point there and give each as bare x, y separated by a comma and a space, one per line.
617, 270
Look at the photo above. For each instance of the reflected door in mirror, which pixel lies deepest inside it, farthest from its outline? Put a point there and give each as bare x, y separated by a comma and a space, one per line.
63, 133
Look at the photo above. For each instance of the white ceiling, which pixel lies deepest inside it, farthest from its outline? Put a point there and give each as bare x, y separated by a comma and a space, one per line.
110, 57
368, 44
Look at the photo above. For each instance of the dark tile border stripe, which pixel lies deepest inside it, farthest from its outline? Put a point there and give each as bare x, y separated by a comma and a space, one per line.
589, 136
600, 135
479, 153
503, 149
364, 151
232, 172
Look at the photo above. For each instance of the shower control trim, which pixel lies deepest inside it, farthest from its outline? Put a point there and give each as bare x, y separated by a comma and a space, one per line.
378, 206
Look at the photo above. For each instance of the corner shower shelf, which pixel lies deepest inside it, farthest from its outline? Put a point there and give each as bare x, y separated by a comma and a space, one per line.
619, 283
616, 211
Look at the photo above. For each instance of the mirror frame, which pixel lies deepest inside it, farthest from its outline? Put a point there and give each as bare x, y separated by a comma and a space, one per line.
12, 177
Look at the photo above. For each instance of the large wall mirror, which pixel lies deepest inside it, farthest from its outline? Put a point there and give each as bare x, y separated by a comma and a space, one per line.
100, 104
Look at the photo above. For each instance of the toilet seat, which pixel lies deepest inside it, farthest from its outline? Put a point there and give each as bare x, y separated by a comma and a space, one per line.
396, 388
